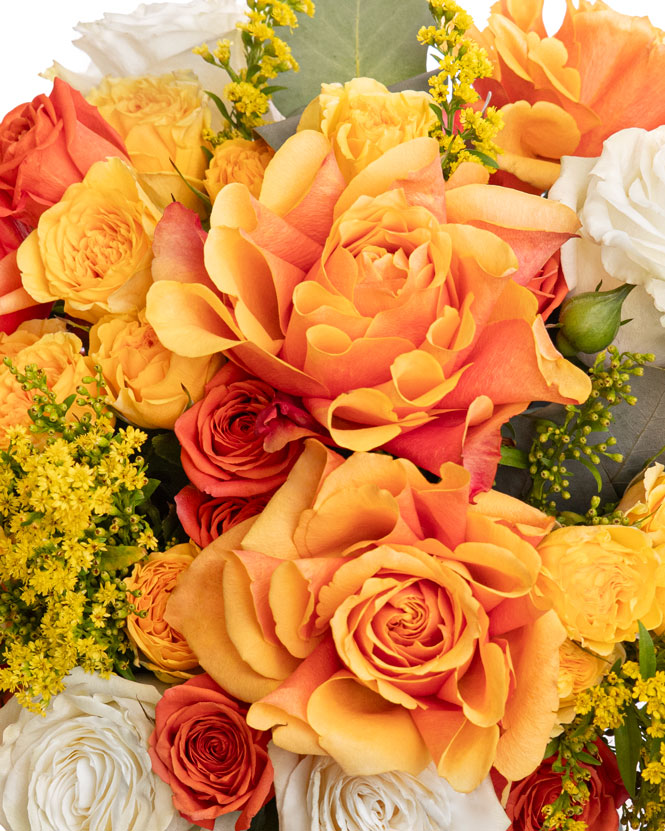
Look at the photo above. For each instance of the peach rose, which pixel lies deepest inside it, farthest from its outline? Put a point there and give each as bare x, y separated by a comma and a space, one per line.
205, 518
363, 119
47, 345
161, 648
222, 454
161, 119
93, 249
382, 619
601, 580
553, 90
238, 160
388, 321
145, 382
47, 145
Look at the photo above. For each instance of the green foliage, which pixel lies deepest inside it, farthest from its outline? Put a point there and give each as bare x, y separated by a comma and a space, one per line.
351, 39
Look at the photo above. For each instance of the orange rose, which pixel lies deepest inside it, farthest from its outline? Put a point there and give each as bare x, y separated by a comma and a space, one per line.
47, 345
161, 648
601, 580
145, 382
580, 669
238, 160
388, 321
643, 503
16, 305
555, 89
47, 145
382, 619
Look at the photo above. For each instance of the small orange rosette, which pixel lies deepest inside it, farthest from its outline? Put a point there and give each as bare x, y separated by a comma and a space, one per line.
380, 618
388, 306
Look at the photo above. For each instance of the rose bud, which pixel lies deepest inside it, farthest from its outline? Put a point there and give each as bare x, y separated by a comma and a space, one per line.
590, 321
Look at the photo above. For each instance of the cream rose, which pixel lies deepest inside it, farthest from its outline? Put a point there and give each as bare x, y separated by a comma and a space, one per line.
154, 39
619, 198
85, 764
315, 794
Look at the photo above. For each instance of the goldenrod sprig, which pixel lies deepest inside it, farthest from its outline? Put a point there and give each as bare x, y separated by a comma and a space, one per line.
464, 132
576, 438
70, 529
266, 56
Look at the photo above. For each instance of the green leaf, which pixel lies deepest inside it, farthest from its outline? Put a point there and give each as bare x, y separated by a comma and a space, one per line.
628, 742
118, 557
593, 470
514, 457
221, 106
484, 158
647, 653
201, 195
350, 39
167, 447
552, 747
587, 758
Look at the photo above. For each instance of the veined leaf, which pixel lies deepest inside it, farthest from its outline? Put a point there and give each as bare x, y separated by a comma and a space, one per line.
117, 557
514, 457
352, 39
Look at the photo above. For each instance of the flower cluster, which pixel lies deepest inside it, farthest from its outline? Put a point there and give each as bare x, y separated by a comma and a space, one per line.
464, 133
360, 550
70, 529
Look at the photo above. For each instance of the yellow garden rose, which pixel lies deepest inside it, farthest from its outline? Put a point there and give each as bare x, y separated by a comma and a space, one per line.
162, 649
145, 381
643, 503
161, 120
238, 160
93, 249
601, 580
580, 669
46, 344
363, 119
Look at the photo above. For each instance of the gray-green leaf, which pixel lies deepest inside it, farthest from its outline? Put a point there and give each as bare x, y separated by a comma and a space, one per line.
351, 39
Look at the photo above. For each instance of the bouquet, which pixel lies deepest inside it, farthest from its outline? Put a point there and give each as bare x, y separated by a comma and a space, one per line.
330, 423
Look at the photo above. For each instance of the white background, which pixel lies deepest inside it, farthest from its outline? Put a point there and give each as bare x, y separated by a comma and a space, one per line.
33, 33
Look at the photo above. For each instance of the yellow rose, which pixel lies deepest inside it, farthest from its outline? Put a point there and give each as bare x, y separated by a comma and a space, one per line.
146, 382
46, 344
238, 160
93, 249
161, 120
363, 119
579, 670
643, 502
163, 650
601, 580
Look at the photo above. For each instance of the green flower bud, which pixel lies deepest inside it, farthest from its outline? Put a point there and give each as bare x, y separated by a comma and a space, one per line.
590, 321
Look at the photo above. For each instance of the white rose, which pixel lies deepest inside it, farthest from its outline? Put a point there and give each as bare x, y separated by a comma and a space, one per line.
156, 39
620, 200
84, 766
315, 794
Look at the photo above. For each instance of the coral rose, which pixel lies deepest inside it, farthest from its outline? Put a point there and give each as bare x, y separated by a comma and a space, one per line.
93, 249
214, 762
607, 794
162, 649
363, 119
48, 346
601, 580
382, 619
390, 323
238, 160
145, 382
161, 119
222, 454
47, 145
205, 518
553, 90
